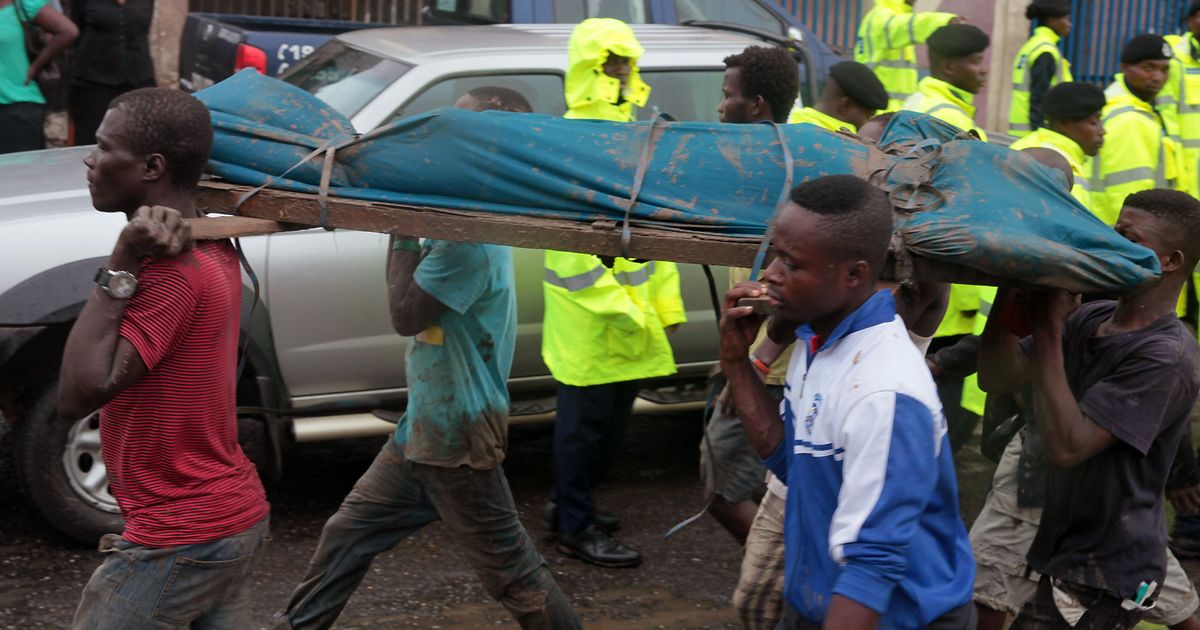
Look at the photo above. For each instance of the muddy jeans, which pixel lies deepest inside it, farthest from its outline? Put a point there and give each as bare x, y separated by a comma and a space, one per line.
393, 500
202, 586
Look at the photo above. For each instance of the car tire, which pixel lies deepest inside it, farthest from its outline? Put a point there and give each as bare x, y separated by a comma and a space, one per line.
63, 475
57, 460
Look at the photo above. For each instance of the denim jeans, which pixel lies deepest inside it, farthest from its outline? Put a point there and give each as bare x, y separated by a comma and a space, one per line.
393, 500
201, 586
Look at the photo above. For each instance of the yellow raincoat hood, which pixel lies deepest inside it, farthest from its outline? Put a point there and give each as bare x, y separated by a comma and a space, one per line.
589, 92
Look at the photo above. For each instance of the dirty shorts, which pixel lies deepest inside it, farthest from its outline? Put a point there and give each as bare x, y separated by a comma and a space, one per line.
1001, 537
729, 465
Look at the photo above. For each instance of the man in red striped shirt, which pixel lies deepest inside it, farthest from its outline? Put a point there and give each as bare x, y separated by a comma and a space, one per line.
155, 349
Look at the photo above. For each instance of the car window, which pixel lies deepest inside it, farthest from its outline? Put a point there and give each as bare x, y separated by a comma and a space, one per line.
484, 11
543, 91
685, 95
745, 12
575, 11
346, 78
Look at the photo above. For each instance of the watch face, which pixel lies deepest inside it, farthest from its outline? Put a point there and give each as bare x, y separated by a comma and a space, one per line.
122, 285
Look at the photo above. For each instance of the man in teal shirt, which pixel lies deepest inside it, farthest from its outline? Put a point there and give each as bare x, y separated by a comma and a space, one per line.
457, 302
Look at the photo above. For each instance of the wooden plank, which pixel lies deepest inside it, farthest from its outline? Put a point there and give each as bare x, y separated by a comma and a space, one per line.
218, 227
272, 211
602, 238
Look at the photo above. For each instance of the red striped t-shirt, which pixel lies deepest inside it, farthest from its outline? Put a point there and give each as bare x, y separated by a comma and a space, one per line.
170, 440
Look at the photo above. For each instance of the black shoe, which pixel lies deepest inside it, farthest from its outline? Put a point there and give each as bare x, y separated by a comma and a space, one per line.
1184, 547
606, 522
594, 546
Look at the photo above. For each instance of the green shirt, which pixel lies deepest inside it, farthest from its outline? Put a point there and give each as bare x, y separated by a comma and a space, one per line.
14, 61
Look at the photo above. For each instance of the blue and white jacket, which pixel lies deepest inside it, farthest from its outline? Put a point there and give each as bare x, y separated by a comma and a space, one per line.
872, 505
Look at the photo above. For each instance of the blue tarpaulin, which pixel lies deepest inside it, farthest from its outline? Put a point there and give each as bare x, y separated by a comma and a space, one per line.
960, 201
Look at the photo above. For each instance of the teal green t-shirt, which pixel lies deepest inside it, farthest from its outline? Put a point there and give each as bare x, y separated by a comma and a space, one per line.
458, 369
14, 61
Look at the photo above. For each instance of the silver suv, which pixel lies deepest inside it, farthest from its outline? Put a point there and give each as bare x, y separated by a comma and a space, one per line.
322, 353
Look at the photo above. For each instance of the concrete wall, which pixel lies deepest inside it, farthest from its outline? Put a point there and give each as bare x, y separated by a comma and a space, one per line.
165, 33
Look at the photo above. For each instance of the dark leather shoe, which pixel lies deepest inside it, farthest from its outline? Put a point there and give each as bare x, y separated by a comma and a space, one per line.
606, 522
595, 547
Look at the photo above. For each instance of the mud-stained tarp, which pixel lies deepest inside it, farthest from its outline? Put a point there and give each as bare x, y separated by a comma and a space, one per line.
960, 201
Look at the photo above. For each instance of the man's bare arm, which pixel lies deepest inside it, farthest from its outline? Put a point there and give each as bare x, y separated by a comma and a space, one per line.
412, 309
847, 614
1003, 366
1068, 436
757, 409
98, 363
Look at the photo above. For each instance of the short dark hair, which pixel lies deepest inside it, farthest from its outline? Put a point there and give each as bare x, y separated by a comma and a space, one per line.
500, 98
771, 73
858, 215
172, 123
1180, 210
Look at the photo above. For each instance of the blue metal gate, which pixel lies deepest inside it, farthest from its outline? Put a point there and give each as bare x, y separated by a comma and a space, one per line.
1100, 28
834, 21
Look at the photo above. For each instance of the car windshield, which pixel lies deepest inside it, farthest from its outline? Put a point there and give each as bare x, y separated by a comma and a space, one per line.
346, 78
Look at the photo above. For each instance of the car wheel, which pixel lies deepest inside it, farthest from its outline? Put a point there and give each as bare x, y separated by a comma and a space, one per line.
62, 471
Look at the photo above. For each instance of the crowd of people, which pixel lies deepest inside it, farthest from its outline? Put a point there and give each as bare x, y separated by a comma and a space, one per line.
109, 46
829, 453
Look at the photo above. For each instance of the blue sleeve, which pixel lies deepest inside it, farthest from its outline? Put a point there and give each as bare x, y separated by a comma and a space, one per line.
777, 463
889, 473
454, 273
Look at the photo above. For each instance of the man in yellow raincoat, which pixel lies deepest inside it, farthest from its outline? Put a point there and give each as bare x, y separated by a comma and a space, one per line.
606, 320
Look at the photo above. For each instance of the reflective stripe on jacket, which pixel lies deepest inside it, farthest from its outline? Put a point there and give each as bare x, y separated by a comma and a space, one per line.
946, 103
885, 43
811, 116
1043, 42
1081, 164
1138, 154
607, 325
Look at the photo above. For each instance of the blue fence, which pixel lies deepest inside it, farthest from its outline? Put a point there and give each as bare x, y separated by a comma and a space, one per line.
1100, 28
834, 21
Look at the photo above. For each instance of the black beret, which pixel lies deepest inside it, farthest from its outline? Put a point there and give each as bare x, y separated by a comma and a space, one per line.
1192, 10
1072, 101
860, 84
1043, 9
1146, 47
958, 40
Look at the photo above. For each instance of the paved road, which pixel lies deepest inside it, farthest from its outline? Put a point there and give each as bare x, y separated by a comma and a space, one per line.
424, 583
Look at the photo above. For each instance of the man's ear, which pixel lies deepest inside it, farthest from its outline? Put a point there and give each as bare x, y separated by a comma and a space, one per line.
1172, 261
760, 107
858, 272
154, 168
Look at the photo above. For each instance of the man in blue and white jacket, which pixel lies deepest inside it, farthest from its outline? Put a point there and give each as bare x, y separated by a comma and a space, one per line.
873, 534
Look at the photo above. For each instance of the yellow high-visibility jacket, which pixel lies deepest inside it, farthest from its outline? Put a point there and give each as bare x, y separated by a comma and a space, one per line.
1180, 106
1182, 111
1043, 42
973, 398
945, 102
952, 105
1081, 164
811, 116
589, 92
885, 43
1138, 153
606, 325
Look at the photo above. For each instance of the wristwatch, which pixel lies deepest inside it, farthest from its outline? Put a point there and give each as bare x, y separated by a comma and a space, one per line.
117, 284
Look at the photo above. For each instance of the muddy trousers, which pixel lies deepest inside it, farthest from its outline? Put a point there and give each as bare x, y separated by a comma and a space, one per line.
393, 500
